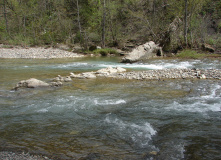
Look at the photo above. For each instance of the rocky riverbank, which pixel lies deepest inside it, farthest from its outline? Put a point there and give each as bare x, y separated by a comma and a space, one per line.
38, 53
170, 74
20, 156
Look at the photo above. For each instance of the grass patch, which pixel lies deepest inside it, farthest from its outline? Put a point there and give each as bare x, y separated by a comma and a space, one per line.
104, 52
191, 54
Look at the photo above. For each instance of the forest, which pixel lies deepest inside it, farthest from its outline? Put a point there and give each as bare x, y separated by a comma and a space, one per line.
174, 24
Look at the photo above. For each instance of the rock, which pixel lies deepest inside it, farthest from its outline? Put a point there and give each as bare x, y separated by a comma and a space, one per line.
62, 46
67, 79
107, 70
62, 79
31, 83
153, 153
59, 79
119, 69
110, 70
56, 84
145, 51
207, 47
72, 75
198, 73
87, 75
203, 76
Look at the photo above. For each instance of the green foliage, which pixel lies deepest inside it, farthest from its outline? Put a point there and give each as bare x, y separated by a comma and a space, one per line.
218, 42
210, 41
105, 51
190, 54
39, 22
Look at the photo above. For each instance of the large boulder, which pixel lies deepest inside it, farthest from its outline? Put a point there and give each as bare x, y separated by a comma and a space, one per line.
31, 83
142, 52
207, 47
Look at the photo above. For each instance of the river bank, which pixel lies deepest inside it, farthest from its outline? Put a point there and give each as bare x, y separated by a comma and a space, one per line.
36, 53
170, 74
4, 155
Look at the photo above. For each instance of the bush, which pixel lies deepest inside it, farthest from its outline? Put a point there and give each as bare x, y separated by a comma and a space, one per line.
190, 54
105, 51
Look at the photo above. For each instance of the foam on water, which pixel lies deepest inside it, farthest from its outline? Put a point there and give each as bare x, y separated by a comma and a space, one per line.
157, 64
109, 102
139, 134
201, 103
71, 65
75, 103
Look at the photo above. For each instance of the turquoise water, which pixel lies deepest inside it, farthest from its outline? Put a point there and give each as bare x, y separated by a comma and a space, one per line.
110, 119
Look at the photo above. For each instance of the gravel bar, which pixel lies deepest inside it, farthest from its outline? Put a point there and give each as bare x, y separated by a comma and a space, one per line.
20, 156
38, 53
170, 74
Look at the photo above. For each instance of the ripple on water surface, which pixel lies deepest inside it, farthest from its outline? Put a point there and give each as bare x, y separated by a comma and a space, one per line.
112, 119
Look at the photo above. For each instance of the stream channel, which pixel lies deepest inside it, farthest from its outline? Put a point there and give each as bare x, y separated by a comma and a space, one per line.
106, 118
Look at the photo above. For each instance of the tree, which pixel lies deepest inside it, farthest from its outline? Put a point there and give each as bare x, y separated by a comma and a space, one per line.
103, 24
5, 16
185, 24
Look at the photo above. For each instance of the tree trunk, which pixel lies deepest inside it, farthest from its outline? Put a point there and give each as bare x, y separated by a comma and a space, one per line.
5, 16
79, 22
185, 25
103, 25
110, 24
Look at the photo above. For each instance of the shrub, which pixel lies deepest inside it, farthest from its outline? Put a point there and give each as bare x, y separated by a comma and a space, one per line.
105, 51
190, 54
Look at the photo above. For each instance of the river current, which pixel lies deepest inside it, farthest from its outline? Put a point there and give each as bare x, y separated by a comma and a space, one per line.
106, 118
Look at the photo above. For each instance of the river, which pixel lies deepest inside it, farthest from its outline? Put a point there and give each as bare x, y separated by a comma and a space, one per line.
112, 119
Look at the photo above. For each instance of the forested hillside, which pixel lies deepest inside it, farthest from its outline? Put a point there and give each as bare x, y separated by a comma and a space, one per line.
173, 24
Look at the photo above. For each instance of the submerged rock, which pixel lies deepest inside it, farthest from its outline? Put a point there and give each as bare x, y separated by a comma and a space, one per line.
145, 51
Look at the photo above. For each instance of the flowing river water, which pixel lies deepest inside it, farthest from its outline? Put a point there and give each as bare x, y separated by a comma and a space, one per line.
106, 118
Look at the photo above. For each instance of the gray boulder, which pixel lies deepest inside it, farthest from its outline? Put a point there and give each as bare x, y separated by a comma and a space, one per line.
86, 75
109, 71
31, 83
142, 52
56, 84
62, 79
207, 47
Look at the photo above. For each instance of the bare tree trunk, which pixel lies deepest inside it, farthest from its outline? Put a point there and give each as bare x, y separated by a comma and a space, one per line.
185, 24
79, 22
103, 24
24, 26
5, 16
110, 24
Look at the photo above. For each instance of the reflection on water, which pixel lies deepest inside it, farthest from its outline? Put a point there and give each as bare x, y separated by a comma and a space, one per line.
110, 119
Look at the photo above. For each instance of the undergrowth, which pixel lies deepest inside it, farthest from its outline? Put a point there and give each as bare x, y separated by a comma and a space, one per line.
103, 52
192, 54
